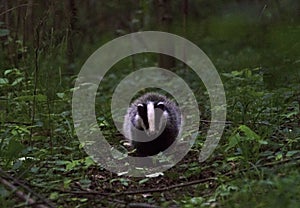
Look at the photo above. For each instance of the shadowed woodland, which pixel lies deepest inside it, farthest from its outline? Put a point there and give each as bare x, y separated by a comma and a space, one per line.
255, 47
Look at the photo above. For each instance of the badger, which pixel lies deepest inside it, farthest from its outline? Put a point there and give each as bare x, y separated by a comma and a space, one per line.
151, 124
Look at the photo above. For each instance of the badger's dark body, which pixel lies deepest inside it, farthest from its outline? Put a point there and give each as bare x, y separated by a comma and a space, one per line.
161, 143
137, 117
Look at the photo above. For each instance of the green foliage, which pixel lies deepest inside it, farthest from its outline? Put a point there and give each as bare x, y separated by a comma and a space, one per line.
243, 138
277, 192
193, 202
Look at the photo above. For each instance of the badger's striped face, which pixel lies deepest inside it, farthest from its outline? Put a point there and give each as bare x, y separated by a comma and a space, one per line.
151, 117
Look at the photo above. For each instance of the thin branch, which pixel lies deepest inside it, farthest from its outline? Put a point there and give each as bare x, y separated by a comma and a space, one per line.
85, 192
203, 180
180, 185
230, 122
21, 194
13, 8
168, 188
88, 193
140, 191
4, 174
279, 162
141, 205
16, 123
209, 121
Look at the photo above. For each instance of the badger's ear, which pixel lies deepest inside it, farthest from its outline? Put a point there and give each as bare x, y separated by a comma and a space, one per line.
160, 105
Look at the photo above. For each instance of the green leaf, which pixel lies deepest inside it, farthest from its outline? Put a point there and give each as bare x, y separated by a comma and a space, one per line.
234, 158
236, 73
71, 165
8, 71
279, 156
143, 180
292, 152
233, 141
248, 73
3, 81
54, 195
88, 161
60, 95
61, 162
124, 181
251, 135
263, 142
291, 114
17, 81
83, 199
85, 183
67, 183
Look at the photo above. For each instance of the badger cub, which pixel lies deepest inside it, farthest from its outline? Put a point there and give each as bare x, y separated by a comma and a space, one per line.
152, 124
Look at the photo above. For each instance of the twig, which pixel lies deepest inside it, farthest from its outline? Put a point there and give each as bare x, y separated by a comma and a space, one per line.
17, 123
141, 205
92, 193
230, 122
13, 8
279, 162
139, 191
209, 121
88, 192
180, 184
49, 204
262, 11
21, 194
168, 188
204, 180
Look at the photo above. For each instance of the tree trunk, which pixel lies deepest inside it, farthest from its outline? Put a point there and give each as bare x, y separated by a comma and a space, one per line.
164, 21
72, 11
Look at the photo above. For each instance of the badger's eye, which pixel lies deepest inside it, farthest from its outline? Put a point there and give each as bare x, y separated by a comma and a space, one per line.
142, 109
160, 105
